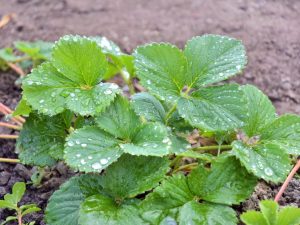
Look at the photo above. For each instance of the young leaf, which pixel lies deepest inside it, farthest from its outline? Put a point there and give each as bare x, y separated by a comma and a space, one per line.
227, 182
161, 68
12, 200
260, 110
289, 216
31, 209
172, 193
64, 204
149, 107
194, 213
119, 119
36, 50
269, 210
284, 132
213, 58
91, 149
133, 175
267, 161
100, 209
71, 80
41, 141
213, 108
253, 218
22, 109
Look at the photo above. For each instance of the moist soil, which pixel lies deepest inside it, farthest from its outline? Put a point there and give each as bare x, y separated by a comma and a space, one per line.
268, 28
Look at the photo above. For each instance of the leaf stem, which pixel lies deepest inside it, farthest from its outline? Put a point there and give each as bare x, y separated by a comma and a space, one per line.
8, 160
169, 113
287, 181
212, 147
19, 216
187, 166
8, 125
8, 136
16, 68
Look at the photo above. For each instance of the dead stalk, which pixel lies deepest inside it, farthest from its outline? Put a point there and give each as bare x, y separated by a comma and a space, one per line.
8, 136
11, 126
17, 69
7, 160
287, 181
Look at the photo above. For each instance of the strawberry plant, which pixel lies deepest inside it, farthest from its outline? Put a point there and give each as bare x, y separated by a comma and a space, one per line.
132, 153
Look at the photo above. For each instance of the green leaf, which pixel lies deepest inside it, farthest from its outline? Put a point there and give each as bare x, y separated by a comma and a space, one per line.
18, 191
50, 92
41, 140
260, 110
149, 107
284, 132
91, 149
213, 58
269, 210
7, 55
64, 204
22, 109
8, 219
227, 182
107, 46
253, 218
133, 175
7, 204
267, 161
119, 119
100, 209
289, 216
216, 108
36, 50
150, 139
193, 213
32, 209
172, 193
161, 68
79, 59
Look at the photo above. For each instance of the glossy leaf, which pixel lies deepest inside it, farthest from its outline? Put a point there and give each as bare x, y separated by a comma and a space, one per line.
284, 132
227, 182
22, 109
260, 110
216, 108
100, 209
253, 218
194, 213
289, 216
172, 193
149, 107
41, 140
91, 149
213, 58
267, 161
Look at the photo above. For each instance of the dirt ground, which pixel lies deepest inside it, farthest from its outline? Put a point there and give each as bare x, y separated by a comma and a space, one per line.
268, 28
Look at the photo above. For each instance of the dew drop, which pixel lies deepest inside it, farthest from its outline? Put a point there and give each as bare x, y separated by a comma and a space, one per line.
78, 155
96, 166
82, 161
70, 143
108, 92
165, 140
103, 161
42, 101
90, 157
77, 142
268, 171
83, 145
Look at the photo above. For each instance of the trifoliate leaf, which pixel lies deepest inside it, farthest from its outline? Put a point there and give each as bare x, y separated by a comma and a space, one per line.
133, 175
227, 182
71, 80
161, 68
149, 107
260, 110
64, 204
172, 193
41, 140
214, 109
267, 161
285, 132
150, 139
213, 58
269, 210
100, 209
195, 213
91, 149
22, 109
119, 119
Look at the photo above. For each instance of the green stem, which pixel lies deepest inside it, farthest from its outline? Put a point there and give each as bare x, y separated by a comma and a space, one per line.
169, 113
8, 160
187, 166
128, 81
213, 147
19, 217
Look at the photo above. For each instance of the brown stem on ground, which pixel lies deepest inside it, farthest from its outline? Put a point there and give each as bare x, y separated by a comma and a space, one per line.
8, 136
186, 167
11, 126
8, 160
16, 68
287, 181
6, 111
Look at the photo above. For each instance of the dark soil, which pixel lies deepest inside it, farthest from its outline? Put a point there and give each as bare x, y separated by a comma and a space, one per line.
268, 28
